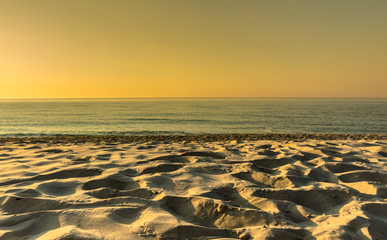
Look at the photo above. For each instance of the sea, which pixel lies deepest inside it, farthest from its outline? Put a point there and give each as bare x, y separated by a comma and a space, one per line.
185, 116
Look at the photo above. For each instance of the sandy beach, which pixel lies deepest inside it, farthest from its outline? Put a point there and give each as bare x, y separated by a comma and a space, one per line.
208, 187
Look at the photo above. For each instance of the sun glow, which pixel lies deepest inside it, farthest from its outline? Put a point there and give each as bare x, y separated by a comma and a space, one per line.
193, 49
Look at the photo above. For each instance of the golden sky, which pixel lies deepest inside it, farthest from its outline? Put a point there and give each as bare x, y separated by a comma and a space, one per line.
193, 48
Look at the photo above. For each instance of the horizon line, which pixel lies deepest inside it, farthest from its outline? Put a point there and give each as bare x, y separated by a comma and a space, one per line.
48, 98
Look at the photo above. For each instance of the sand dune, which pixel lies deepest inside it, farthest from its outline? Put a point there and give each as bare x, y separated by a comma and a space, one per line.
312, 189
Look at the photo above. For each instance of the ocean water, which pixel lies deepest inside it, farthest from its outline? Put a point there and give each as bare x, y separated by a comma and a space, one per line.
191, 116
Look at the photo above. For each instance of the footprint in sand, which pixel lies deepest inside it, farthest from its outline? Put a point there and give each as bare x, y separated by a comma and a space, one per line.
57, 188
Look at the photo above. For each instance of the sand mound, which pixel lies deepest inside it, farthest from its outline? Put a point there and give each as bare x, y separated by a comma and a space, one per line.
313, 189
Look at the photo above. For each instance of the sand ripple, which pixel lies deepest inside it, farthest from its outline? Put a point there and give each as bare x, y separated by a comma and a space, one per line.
237, 189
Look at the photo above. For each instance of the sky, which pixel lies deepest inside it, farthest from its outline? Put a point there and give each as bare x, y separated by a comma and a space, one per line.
193, 48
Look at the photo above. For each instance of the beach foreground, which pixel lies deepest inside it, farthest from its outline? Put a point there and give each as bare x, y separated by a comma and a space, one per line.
178, 189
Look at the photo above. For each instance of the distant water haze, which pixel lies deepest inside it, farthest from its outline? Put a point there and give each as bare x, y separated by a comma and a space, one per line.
191, 116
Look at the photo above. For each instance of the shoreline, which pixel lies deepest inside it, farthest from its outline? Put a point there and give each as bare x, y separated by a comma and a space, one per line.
193, 138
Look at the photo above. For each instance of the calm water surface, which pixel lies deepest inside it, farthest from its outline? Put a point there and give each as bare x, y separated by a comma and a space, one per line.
191, 116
